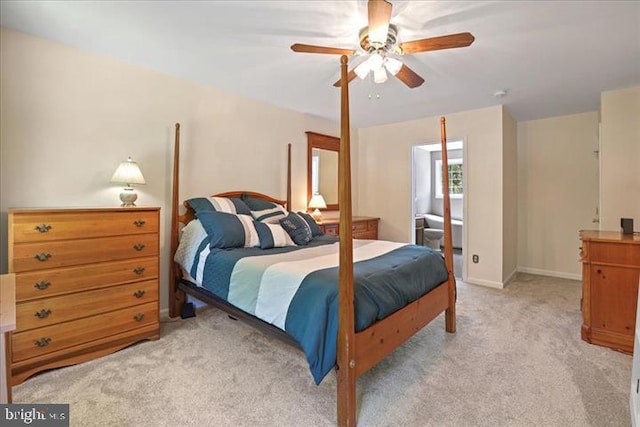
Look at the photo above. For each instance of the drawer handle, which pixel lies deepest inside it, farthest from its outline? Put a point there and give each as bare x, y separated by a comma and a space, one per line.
43, 228
43, 313
138, 293
138, 270
138, 246
139, 222
138, 317
42, 285
43, 342
43, 256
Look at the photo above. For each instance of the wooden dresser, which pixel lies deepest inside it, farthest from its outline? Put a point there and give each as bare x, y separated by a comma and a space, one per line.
610, 272
364, 227
86, 284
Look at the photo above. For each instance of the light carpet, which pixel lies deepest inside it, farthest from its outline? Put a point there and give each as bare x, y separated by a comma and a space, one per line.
516, 360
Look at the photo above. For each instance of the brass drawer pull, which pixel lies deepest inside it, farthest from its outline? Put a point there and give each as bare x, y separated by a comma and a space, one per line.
138, 246
42, 285
43, 228
139, 222
43, 313
138, 317
43, 342
43, 256
138, 293
139, 270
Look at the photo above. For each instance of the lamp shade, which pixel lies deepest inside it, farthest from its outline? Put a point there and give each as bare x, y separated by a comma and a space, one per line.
317, 202
128, 173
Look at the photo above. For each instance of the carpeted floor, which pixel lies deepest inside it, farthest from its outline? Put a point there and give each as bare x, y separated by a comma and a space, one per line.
516, 360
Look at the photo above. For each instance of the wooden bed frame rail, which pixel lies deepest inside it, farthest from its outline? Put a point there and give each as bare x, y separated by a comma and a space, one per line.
356, 352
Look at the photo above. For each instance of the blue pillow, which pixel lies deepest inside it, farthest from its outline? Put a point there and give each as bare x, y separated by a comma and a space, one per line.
297, 228
315, 229
256, 204
227, 230
232, 205
272, 236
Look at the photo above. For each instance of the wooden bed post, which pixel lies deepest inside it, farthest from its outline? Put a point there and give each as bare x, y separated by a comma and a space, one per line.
450, 314
346, 325
176, 296
289, 208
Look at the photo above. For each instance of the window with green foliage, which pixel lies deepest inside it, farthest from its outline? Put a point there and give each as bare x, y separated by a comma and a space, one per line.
456, 180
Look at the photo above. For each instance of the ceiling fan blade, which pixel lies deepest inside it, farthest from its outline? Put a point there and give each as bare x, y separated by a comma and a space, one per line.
307, 48
352, 75
409, 77
379, 17
437, 43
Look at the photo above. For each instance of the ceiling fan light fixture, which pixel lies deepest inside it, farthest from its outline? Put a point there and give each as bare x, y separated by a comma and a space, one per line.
392, 65
379, 75
375, 61
362, 70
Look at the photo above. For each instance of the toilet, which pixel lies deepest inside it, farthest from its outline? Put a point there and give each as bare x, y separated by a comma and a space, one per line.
432, 238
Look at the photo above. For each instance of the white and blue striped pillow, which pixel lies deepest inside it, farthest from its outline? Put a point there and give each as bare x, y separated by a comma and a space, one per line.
227, 230
270, 215
231, 205
273, 236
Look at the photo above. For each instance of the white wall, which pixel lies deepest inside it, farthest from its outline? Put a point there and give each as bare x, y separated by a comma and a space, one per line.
510, 196
422, 162
69, 117
385, 155
557, 191
620, 158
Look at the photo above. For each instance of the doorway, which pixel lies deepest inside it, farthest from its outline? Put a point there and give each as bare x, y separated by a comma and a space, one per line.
427, 201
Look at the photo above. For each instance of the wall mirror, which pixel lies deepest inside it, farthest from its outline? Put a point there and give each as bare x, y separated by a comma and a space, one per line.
322, 168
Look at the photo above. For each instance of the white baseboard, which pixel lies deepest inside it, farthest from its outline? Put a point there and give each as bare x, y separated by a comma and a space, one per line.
550, 273
482, 282
164, 314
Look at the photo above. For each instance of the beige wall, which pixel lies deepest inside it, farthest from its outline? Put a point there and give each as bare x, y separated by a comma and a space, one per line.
384, 155
557, 191
620, 158
510, 196
69, 117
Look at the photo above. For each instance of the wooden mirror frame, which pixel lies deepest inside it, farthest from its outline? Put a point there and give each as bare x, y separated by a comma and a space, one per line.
324, 142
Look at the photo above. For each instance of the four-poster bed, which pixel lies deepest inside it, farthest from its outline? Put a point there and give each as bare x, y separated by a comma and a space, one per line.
354, 346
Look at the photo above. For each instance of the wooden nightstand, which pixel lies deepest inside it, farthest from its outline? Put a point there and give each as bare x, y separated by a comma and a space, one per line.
87, 284
364, 227
610, 274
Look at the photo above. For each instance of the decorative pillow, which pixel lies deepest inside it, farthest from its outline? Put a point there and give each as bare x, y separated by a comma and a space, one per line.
315, 229
256, 204
232, 205
271, 215
273, 236
297, 228
227, 230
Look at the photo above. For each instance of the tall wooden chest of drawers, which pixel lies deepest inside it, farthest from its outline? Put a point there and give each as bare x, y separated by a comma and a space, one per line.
610, 272
363, 227
86, 284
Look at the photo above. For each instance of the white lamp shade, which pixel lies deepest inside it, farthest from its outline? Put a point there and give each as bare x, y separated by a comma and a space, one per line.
392, 65
362, 70
128, 173
317, 202
379, 75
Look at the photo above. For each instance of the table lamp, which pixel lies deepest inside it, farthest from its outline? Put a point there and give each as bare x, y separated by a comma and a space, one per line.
128, 173
317, 202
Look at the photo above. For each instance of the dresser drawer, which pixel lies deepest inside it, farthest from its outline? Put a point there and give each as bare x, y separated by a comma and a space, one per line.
37, 256
46, 283
46, 226
331, 230
37, 342
48, 311
612, 253
367, 235
359, 227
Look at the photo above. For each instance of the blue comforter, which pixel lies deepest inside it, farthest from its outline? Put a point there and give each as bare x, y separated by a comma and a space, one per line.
295, 288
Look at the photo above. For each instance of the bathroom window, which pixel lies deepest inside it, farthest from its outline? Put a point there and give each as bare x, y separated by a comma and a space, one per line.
455, 179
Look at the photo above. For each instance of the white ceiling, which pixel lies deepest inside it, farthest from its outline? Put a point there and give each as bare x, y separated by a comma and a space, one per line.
552, 58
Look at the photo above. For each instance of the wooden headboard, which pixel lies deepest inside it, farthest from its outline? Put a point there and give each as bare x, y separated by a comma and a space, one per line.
176, 296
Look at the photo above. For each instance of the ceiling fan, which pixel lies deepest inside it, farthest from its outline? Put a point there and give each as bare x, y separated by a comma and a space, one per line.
379, 40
